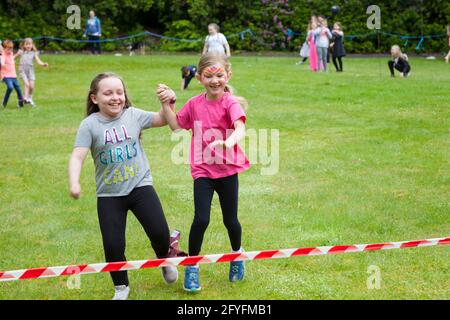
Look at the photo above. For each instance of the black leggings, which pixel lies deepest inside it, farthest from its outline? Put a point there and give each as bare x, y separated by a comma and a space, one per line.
112, 215
402, 66
95, 45
227, 189
339, 59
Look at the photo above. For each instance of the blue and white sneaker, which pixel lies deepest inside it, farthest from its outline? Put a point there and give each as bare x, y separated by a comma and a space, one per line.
237, 271
191, 279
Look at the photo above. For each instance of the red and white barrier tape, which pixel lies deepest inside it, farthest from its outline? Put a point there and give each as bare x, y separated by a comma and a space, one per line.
212, 258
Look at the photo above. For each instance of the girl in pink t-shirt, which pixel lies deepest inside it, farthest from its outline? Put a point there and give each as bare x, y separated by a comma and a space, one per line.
8, 73
217, 122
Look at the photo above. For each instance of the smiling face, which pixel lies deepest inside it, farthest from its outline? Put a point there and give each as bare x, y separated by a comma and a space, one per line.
28, 45
110, 97
214, 79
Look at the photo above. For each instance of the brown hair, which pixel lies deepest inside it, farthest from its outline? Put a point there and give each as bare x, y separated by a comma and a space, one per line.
185, 70
22, 44
208, 60
8, 44
91, 107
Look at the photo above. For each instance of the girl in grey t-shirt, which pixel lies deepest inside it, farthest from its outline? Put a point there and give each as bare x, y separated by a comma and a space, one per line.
28, 53
111, 131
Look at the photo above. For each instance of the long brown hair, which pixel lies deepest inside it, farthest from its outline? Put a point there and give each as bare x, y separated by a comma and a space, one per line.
208, 60
91, 107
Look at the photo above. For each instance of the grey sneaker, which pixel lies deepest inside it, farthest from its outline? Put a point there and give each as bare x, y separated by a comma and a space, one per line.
121, 292
170, 274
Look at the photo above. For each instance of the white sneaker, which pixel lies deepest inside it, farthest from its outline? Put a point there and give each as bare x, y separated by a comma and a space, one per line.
121, 292
170, 274
33, 105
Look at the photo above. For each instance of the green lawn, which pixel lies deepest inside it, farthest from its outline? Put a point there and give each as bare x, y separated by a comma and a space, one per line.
363, 158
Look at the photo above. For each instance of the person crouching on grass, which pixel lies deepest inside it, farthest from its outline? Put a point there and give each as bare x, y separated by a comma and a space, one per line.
187, 74
111, 131
219, 117
399, 61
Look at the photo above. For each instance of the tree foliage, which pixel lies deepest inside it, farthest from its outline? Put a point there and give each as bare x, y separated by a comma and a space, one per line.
276, 24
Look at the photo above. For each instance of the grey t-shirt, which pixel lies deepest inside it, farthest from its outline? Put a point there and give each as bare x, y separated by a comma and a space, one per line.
120, 162
27, 58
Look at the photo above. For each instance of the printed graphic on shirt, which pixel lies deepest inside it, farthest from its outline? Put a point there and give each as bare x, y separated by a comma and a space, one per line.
119, 148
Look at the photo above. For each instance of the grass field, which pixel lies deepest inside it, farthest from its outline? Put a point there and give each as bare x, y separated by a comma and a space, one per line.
363, 158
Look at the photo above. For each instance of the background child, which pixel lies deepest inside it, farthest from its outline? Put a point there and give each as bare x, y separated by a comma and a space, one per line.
323, 35
112, 132
304, 49
399, 61
447, 57
28, 53
220, 119
313, 60
187, 74
8, 73
216, 42
338, 46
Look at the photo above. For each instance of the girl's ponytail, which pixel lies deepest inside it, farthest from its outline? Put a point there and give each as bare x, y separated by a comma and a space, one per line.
242, 101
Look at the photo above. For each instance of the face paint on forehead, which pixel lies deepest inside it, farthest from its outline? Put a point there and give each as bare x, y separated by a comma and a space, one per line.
214, 70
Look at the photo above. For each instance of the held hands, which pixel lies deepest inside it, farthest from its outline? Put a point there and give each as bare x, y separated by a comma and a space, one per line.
165, 95
75, 191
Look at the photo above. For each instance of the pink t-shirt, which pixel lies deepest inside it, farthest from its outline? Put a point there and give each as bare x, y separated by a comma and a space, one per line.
8, 69
209, 121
